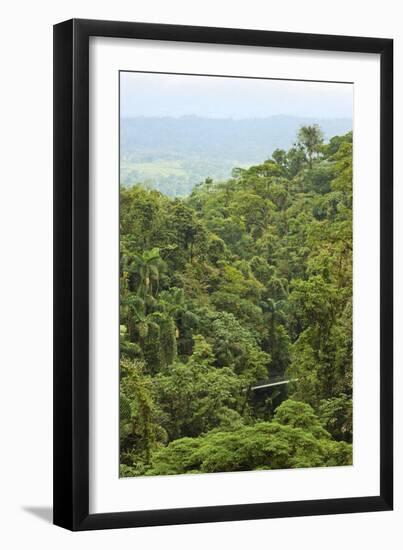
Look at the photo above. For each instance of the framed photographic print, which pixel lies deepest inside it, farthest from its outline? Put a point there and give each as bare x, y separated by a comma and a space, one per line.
223, 274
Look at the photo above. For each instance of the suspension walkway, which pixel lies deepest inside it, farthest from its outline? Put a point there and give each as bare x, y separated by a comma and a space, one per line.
270, 384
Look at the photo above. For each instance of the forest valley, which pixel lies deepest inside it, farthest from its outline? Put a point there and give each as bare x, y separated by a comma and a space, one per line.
244, 281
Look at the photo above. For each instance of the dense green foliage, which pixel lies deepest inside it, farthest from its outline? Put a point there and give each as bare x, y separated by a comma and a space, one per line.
245, 281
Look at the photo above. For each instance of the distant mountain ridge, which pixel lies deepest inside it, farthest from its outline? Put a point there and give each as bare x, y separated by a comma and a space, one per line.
174, 154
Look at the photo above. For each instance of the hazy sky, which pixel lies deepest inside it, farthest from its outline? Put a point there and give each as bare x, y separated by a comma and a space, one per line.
150, 94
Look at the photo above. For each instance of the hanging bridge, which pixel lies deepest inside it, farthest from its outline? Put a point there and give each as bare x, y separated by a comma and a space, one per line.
270, 384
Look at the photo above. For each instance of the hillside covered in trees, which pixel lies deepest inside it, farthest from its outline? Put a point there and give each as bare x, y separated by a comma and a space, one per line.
173, 154
244, 282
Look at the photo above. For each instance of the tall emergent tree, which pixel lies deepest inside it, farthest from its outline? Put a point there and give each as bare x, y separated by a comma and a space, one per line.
311, 138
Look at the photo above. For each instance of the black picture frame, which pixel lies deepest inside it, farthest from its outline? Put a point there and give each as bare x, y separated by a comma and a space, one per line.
71, 274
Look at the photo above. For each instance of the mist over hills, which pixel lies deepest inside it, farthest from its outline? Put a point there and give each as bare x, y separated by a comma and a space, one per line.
174, 154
